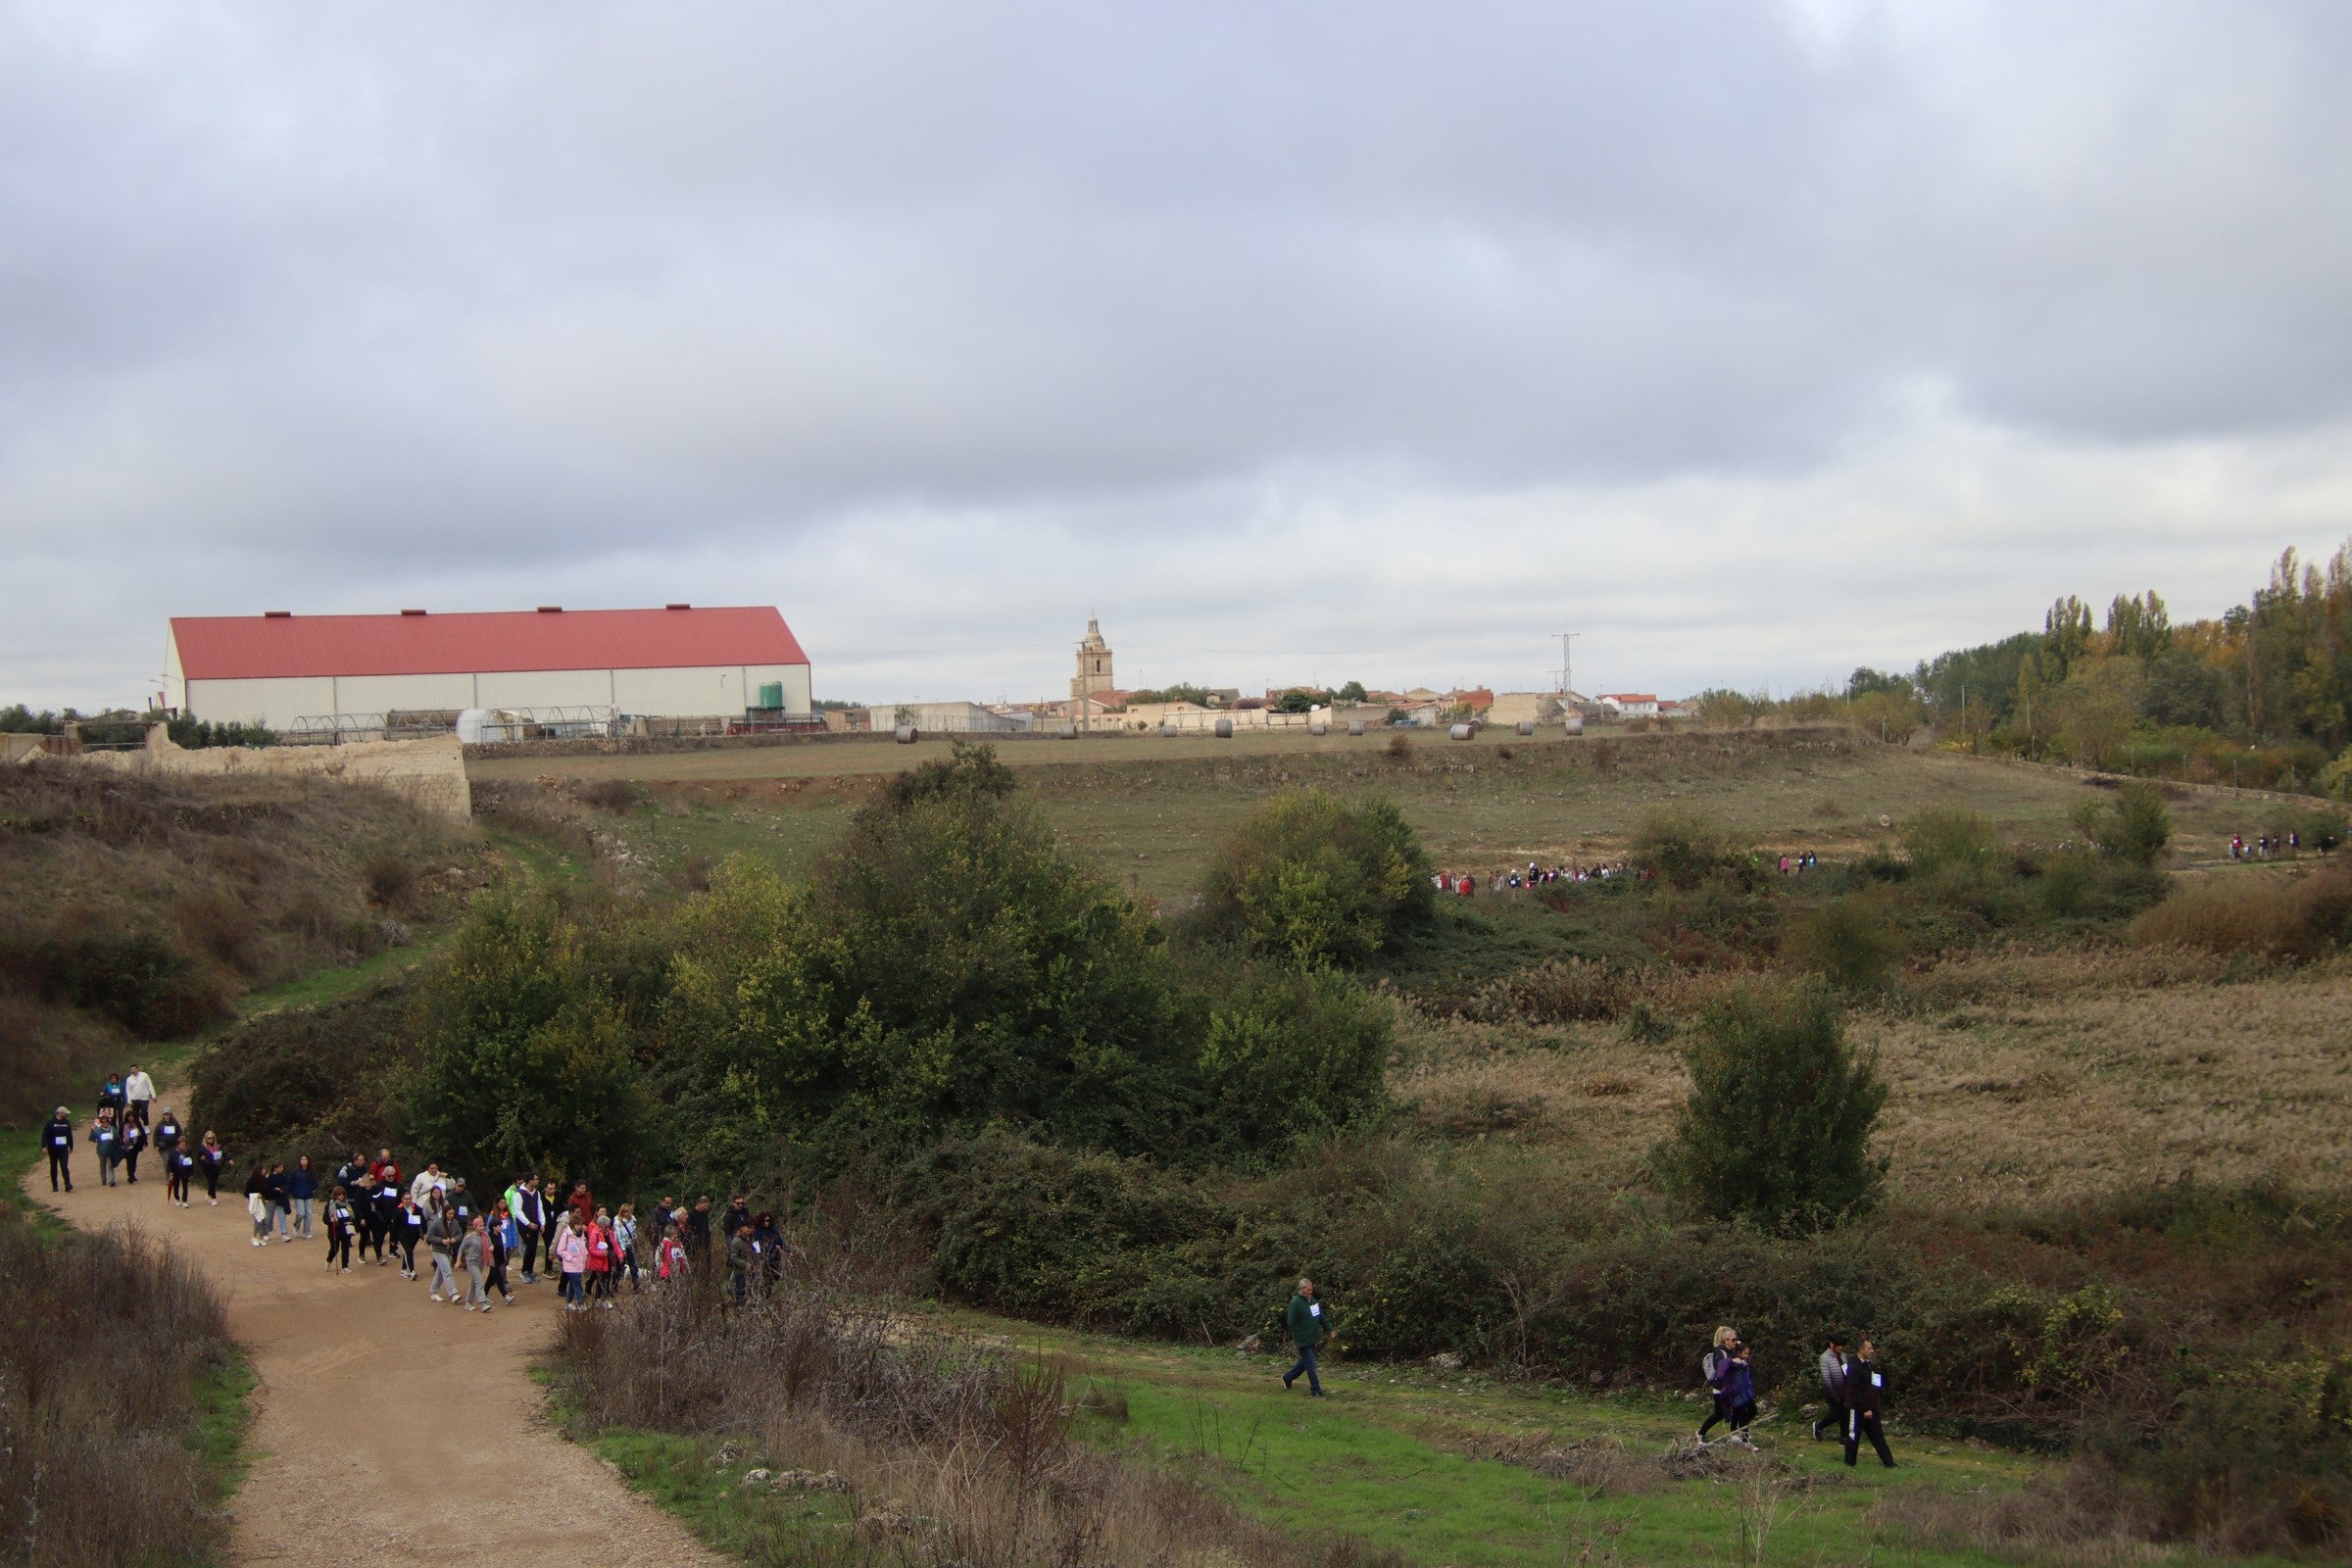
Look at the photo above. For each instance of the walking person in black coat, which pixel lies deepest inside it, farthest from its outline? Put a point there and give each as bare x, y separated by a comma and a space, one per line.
57, 1139
1865, 1398
129, 1139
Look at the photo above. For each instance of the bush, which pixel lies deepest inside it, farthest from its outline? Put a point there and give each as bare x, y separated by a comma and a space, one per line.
131, 974
524, 1053
2144, 824
308, 1080
388, 878
103, 1340
2307, 916
1290, 1054
1310, 878
948, 966
1777, 1128
1849, 940
1686, 850
1943, 837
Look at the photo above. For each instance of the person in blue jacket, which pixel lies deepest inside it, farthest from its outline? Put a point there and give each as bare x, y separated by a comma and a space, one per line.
302, 1186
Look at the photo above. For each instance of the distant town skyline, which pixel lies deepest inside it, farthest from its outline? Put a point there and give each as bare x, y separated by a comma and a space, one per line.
1752, 342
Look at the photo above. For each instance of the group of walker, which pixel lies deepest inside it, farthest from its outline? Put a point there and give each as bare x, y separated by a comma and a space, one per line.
1853, 1388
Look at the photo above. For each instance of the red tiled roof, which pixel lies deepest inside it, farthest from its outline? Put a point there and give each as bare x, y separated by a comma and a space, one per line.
266, 647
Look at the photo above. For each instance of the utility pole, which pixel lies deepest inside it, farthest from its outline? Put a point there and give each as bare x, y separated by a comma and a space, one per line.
1567, 665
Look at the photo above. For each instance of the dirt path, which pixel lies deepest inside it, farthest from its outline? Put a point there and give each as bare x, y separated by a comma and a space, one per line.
386, 1429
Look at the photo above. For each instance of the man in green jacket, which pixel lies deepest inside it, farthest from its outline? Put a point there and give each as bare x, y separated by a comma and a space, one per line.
1307, 1329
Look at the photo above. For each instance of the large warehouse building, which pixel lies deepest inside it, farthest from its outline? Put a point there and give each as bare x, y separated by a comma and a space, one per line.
680, 662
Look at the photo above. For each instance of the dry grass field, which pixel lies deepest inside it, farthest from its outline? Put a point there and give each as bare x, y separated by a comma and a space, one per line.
2016, 1076
1150, 811
2015, 1079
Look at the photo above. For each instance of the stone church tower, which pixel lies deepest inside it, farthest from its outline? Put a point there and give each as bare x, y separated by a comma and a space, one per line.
1094, 663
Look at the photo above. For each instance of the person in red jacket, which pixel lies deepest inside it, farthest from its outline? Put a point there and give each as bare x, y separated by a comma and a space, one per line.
599, 1256
581, 1204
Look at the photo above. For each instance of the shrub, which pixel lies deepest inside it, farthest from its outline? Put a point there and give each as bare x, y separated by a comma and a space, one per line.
2301, 917
1849, 940
130, 973
2144, 824
308, 1080
1949, 836
615, 797
1777, 1128
1310, 878
102, 1341
1291, 1052
948, 966
388, 878
1686, 848
525, 1053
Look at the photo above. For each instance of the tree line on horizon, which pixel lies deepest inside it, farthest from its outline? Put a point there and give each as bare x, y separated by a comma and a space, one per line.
2259, 695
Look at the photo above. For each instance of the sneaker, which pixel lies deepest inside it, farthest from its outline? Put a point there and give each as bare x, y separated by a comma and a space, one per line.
485, 1307
436, 1297
468, 1306
510, 1301
347, 1268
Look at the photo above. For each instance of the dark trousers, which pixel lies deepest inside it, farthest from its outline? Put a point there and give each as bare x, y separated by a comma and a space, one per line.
1832, 1418
177, 1186
1721, 1413
338, 1244
212, 1180
530, 1251
1305, 1364
130, 1164
1859, 1426
61, 1169
137, 1112
408, 1253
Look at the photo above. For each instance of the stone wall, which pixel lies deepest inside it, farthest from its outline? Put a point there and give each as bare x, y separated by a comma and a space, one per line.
430, 774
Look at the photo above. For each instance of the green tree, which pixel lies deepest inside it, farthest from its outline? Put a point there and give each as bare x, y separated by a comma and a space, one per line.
2065, 637
1941, 836
526, 1050
1777, 1128
2095, 709
947, 965
2140, 628
1291, 1052
1720, 707
1352, 692
1848, 941
1310, 878
2144, 824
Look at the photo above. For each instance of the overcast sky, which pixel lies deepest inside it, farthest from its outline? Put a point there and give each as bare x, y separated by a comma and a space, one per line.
1750, 341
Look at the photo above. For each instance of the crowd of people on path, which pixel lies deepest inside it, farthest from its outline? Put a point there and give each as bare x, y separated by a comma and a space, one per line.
2266, 845
476, 1250
1514, 879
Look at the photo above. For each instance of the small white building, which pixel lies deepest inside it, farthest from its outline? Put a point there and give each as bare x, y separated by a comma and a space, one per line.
1631, 705
676, 662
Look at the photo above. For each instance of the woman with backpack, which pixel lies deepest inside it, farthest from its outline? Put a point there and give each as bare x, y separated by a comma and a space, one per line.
302, 1186
1712, 1367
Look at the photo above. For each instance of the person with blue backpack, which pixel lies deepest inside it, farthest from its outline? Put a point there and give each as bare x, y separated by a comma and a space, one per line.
1732, 1384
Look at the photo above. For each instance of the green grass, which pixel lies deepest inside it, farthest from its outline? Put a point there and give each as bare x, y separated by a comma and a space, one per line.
1392, 1457
224, 1418
677, 1473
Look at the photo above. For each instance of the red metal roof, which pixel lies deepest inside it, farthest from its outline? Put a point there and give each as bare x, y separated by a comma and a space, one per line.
266, 646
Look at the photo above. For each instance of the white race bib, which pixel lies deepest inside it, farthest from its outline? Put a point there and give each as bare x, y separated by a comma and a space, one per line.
1876, 1382
59, 1142
1314, 1309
